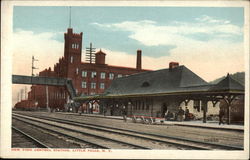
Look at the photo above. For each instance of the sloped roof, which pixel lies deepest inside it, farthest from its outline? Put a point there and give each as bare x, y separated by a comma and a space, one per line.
153, 82
227, 84
176, 81
100, 52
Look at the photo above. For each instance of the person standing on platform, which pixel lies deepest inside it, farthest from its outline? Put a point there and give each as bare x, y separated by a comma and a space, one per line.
186, 114
104, 111
80, 110
124, 113
221, 115
166, 115
180, 114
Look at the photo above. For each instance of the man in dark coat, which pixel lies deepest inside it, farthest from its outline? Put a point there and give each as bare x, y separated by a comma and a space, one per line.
180, 114
124, 113
186, 114
221, 114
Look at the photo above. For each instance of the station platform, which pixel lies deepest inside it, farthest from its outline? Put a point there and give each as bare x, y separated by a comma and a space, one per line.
198, 123
208, 124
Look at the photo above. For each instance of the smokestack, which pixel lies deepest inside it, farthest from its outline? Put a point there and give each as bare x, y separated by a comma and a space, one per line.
138, 60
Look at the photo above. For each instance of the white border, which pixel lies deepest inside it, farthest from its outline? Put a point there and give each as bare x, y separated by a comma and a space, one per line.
6, 91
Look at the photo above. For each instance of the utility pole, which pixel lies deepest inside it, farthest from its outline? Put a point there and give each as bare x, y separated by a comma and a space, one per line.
18, 97
90, 54
25, 92
32, 75
33, 67
21, 94
47, 98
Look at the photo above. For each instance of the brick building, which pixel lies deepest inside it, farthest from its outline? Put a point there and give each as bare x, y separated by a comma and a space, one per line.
88, 78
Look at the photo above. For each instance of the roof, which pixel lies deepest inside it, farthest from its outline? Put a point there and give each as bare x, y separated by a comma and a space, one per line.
227, 84
176, 81
100, 52
153, 82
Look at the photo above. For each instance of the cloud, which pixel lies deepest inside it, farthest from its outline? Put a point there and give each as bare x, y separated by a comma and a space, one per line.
210, 58
150, 33
209, 61
42, 46
205, 18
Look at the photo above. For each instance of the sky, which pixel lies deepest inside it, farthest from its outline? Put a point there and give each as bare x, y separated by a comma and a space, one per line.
207, 40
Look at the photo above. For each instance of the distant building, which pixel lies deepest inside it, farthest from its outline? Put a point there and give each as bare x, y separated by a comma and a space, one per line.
88, 78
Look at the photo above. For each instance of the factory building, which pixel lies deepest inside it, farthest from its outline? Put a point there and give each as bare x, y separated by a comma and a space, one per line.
89, 78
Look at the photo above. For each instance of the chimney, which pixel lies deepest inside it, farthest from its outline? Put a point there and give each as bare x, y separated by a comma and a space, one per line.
173, 65
138, 60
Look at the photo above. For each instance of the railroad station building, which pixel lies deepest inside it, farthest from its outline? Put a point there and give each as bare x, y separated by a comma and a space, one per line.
151, 93
89, 78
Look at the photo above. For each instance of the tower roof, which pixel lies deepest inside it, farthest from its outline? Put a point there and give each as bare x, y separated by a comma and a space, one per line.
100, 52
227, 84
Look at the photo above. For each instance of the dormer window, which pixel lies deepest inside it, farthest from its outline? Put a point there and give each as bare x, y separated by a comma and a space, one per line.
145, 84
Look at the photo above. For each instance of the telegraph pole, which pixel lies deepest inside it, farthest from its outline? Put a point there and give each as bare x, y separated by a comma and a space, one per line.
33, 67
25, 92
32, 75
18, 97
90, 54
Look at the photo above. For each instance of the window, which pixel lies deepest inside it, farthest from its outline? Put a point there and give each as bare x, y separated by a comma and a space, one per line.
103, 75
84, 73
93, 74
71, 59
77, 71
93, 85
84, 84
75, 46
92, 93
119, 75
102, 85
111, 75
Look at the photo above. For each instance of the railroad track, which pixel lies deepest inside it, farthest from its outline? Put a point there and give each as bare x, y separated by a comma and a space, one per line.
24, 139
79, 136
194, 133
178, 142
